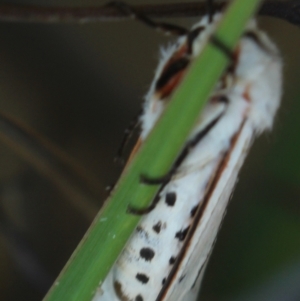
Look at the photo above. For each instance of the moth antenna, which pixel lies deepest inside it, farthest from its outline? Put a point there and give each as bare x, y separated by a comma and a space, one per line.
142, 211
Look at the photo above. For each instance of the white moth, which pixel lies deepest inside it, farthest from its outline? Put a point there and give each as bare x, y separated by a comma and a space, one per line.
166, 256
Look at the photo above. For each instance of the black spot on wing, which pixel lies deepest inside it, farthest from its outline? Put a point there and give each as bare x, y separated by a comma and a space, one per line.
170, 198
142, 278
119, 291
139, 298
180, 235
157, 227
194, 210
172, 260
164, 281
147, 253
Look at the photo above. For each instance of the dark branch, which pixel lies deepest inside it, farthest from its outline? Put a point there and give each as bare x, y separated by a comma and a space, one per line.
288, 10
39, 14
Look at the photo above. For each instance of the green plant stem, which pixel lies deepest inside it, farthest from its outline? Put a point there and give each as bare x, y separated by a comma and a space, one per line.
111, 229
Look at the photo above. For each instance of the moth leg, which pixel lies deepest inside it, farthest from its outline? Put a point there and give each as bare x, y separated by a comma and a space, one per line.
156, 181
186, 150
143, 211
135, 122
165, 179
162, 26
218, 43
214, 39
210, 10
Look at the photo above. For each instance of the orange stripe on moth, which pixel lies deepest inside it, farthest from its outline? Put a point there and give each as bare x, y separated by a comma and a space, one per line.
133, 152
170, 86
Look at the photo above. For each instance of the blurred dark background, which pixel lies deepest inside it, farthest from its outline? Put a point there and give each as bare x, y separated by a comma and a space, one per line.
79, 86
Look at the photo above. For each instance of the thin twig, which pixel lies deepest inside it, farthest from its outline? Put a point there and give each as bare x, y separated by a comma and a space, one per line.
75, 182
288, 10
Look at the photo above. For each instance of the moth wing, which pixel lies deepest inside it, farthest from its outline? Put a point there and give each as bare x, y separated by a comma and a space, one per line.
187, 281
